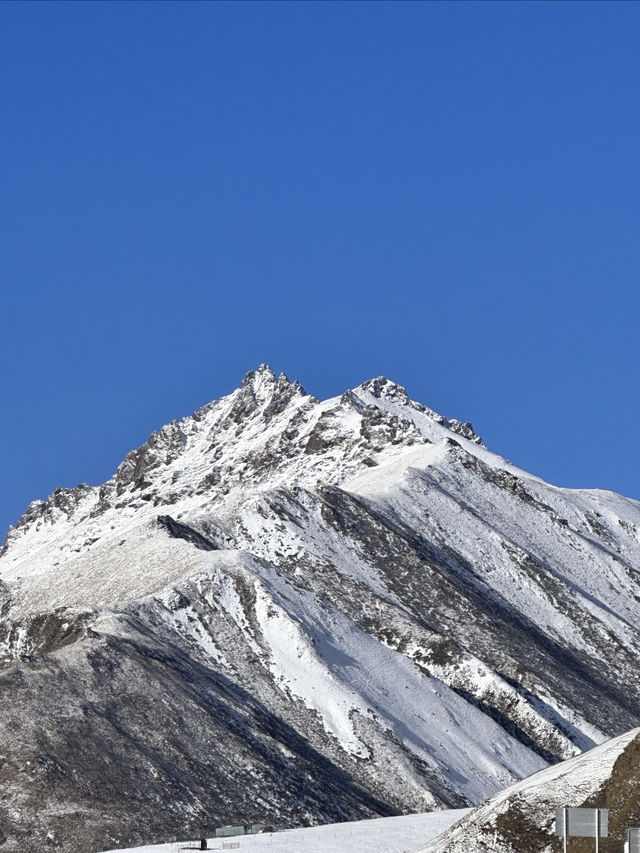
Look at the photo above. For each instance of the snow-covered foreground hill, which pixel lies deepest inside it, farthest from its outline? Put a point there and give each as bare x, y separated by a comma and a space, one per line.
522, 817
291, 611
383, 835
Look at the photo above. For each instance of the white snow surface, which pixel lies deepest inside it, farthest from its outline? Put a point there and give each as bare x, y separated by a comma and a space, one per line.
382, 835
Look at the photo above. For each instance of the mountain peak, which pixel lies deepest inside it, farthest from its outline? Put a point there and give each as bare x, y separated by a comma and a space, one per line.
382, 388
262, 385
262, 376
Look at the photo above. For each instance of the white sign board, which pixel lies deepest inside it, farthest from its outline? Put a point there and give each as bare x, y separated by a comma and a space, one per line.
583, 823
632, 844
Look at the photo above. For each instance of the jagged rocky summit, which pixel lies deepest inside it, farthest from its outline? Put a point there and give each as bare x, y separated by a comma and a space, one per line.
292, 611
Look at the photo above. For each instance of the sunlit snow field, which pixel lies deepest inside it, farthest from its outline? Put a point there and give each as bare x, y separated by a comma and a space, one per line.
382, 835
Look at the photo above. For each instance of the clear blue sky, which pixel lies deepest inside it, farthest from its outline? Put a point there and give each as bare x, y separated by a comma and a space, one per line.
444, 193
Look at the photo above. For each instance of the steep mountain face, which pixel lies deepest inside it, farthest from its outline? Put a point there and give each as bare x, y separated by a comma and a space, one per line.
294, 611
522, 817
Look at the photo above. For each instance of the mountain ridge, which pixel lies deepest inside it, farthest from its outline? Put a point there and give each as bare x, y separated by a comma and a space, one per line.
258, 383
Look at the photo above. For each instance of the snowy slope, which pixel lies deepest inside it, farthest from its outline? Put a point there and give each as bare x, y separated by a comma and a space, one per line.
524, 813
383, 835
343, 609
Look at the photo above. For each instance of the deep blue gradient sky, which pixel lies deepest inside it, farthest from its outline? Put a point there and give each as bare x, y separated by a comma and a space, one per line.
444, 193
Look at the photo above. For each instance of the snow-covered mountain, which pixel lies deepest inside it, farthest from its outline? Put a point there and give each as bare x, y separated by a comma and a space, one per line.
294, 611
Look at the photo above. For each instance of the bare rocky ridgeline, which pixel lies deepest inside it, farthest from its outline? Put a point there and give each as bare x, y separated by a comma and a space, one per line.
292, 611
